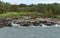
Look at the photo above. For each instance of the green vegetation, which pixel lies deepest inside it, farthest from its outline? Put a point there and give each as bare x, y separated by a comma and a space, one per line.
10, 14
45, 10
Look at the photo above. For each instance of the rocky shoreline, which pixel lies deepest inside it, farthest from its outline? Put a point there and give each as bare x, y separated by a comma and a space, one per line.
27, 21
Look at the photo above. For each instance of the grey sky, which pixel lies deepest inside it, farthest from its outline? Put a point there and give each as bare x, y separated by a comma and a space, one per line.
30, 1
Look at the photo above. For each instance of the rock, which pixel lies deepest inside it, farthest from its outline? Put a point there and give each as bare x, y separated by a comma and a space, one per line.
25, 23
35, 24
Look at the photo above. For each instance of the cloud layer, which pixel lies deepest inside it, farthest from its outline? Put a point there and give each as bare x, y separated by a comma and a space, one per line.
30, 1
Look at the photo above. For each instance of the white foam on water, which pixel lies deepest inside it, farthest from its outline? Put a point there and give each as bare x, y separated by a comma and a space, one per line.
18, 25
56, 25
14, 24
44, 25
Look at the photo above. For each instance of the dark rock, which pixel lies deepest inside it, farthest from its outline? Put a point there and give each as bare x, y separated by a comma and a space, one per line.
25, 23
9, 25
35, 23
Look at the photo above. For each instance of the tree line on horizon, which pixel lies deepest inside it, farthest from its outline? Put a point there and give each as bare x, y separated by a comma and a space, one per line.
53, 8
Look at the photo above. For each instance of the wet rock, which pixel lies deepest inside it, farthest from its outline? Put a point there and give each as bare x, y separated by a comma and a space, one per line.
35, 23
25, 24
49, 24
4, 22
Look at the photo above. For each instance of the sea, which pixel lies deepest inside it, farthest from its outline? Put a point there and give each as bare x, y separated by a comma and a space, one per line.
30, 32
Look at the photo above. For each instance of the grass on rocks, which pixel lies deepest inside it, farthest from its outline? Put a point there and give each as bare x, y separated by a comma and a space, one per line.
17, 14
12, 14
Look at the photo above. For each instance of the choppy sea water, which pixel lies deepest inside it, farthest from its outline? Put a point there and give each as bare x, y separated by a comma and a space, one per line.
30, 32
